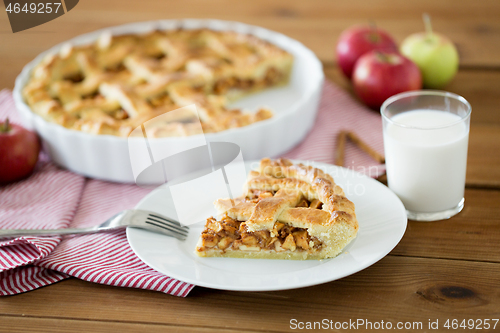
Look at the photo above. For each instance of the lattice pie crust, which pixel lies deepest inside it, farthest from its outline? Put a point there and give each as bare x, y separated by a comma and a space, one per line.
119, 82
288, 212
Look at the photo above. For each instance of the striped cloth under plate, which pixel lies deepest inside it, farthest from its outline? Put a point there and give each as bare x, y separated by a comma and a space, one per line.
56, 198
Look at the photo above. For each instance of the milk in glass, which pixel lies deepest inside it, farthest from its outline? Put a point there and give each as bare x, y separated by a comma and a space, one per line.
426, 157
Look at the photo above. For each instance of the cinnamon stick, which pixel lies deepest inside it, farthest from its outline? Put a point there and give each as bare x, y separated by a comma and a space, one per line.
341, 140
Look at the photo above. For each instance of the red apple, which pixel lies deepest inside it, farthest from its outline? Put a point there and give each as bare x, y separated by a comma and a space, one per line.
19, 149
379, 75
358, 40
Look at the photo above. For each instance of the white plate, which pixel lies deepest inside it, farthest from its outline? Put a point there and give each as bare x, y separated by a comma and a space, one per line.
382, 224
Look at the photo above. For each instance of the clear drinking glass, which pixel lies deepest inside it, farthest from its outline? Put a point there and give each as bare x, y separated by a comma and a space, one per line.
426, 134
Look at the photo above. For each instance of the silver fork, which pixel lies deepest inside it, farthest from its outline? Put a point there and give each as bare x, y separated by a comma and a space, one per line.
128, 218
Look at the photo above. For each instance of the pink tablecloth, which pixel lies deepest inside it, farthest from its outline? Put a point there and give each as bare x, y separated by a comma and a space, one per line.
56, 198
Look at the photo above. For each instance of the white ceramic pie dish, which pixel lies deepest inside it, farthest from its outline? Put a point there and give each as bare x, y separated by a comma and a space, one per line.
107, 157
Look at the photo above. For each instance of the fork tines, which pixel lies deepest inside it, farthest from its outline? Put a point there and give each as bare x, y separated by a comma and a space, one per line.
162, 222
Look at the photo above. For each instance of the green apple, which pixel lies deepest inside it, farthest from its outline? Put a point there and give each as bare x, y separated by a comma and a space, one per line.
434, 54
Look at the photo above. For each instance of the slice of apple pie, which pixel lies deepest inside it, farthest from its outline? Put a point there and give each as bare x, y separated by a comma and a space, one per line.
288, 212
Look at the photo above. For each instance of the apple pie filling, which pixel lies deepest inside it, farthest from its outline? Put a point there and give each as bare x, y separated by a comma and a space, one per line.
151, 74
288, 211
229, 234
257, 195
272, 77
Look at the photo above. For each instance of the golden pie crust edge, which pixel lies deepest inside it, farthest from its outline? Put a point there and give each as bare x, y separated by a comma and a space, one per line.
335, 232
39, 89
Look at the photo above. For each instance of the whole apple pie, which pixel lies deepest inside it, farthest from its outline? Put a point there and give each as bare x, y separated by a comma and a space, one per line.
287, 212
119, 82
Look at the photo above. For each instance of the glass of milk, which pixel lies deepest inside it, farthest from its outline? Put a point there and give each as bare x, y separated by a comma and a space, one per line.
425, 139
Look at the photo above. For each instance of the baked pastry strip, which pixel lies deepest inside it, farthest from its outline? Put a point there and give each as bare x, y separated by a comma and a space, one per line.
288, 212
112, 85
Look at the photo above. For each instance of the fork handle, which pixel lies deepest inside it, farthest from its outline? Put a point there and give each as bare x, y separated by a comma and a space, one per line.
48, 232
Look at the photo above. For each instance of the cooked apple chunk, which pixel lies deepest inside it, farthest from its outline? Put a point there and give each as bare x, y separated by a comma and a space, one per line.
288, 212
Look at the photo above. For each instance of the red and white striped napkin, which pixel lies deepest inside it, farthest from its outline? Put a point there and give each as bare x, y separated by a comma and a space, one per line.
48, 200
107, 257
56, 198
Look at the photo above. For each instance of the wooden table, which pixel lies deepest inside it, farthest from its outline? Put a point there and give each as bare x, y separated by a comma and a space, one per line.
439, 271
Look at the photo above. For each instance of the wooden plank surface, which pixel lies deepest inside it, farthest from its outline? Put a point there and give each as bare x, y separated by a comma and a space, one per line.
472, 25
483, 160
23, 324
441, 270
473, 234
394, 289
